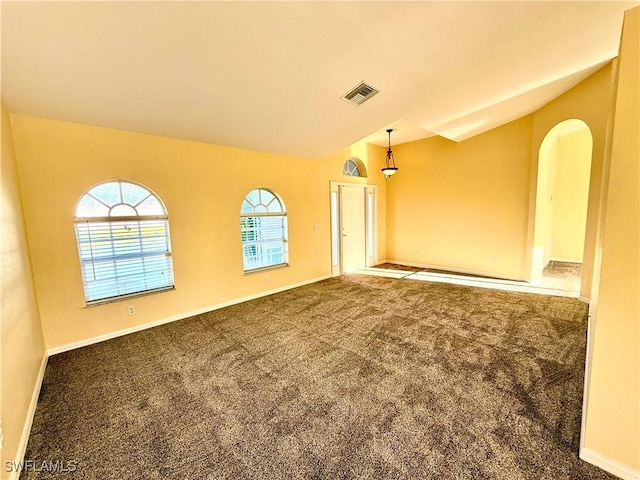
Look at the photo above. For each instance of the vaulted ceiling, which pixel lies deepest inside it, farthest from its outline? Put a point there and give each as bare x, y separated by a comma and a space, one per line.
268, 76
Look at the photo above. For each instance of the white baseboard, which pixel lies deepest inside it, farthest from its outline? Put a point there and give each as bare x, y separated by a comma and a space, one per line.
26, 429
456, 270
609, 465
180, 316
584, 299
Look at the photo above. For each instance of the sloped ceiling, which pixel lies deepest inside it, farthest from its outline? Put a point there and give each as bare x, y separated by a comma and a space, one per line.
268, 76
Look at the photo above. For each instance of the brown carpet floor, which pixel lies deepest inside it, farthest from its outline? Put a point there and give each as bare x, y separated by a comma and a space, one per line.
563, 269
354, 377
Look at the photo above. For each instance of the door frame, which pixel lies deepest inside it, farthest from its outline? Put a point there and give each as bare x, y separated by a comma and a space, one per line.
370, 224
538, 251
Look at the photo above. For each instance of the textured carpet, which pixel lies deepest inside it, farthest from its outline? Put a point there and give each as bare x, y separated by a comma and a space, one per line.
563, 275
563, 269
353, 377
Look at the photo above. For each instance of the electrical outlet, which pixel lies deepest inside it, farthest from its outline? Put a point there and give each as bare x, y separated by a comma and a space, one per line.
494, 259
131, 310
317, 227
266, 279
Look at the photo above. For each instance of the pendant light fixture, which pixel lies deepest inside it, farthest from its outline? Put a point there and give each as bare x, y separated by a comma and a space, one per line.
390, 165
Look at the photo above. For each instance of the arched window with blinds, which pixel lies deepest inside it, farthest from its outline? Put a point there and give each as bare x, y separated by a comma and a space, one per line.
122, 231
263, 227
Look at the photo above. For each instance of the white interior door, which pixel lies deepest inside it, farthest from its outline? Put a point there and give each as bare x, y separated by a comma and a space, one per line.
352, 216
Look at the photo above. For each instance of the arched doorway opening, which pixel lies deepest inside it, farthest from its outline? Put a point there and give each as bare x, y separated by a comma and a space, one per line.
562, 194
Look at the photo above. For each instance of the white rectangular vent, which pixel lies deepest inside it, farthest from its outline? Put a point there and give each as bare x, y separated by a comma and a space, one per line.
360, 94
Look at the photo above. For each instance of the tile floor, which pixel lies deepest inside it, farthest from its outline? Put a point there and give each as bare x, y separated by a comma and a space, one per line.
558, 278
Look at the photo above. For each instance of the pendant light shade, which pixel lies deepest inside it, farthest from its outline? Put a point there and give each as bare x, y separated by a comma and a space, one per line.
390, 164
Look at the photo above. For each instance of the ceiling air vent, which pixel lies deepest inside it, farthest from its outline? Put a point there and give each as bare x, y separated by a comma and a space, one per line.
360, 94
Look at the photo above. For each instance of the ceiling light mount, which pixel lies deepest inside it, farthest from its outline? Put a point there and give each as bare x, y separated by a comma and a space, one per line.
390, 164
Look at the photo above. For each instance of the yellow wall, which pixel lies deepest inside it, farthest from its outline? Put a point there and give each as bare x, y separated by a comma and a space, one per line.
22, 340
589, 101
547, 161
471, 206
613, 408
202, 187
570, 196
462, 205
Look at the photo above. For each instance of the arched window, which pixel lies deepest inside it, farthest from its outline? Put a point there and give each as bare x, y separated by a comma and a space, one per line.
353, 167
350, 169
122, 230
263, 221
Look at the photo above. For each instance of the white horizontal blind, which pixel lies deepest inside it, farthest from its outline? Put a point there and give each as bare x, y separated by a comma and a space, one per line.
263, 226
122, 231
124, 257
264, 242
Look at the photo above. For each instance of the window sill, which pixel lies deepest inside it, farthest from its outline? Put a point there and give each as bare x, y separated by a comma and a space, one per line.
120, 298
264, 269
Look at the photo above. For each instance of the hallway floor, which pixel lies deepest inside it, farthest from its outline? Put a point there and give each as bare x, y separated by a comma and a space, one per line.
558, 278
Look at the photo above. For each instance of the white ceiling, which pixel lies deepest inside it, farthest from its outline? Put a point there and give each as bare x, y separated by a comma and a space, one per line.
268, 76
